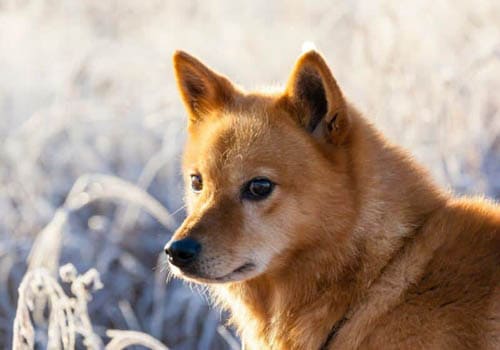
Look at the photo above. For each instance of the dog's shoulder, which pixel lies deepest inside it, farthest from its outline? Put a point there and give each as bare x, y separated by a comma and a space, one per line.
455, 303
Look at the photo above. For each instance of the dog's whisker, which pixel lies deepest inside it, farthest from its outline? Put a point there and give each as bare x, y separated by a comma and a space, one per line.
178, 210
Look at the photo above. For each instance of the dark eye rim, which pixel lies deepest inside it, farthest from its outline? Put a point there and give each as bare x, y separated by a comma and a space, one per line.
200, 179
246, 194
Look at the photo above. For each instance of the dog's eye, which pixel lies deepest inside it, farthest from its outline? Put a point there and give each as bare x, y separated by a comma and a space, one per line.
257, 189
196, 183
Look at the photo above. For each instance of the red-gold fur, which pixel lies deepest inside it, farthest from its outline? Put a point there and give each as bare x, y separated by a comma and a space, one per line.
354, 228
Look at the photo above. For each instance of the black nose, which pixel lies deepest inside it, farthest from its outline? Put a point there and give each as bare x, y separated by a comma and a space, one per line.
183, 252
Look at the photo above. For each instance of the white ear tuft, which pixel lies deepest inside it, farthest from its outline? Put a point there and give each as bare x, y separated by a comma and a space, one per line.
308, 46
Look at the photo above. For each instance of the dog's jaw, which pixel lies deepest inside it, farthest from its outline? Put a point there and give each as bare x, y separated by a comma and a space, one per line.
243, 272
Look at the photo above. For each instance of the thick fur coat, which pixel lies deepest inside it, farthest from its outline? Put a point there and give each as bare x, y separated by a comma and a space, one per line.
353, 229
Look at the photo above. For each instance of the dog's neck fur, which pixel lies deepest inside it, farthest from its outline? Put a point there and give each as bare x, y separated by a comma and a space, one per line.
280, 310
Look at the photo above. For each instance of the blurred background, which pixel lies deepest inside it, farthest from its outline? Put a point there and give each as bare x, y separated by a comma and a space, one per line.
92, 128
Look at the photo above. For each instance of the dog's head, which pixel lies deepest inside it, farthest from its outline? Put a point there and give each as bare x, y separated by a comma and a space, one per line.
264, 173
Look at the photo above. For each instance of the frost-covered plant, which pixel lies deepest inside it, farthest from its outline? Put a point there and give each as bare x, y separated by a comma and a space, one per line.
67, 315
122, 339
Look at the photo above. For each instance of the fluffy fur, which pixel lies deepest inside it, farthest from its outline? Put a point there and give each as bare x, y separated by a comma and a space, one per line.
354, 227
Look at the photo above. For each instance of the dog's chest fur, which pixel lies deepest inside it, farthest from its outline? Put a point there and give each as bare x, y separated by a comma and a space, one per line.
269, 315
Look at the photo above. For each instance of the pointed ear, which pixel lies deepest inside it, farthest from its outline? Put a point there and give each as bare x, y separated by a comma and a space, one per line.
202, 90
314, 97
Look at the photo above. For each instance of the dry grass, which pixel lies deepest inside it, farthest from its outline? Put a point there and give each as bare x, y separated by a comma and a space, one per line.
86, 88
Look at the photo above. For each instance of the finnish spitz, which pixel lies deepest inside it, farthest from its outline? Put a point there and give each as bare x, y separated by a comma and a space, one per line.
317, 233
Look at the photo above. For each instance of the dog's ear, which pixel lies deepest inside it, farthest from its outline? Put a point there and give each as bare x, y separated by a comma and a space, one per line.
203, 91
313, 96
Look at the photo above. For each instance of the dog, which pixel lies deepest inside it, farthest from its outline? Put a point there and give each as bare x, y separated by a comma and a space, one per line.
315, 232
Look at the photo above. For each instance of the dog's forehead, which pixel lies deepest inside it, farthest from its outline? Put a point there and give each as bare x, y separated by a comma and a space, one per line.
235, 137
237, 143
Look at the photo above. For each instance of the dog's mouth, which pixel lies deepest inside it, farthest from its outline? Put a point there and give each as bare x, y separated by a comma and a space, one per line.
243, 269
237, 274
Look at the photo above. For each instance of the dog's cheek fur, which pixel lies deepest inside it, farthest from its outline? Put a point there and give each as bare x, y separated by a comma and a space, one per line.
267, 235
